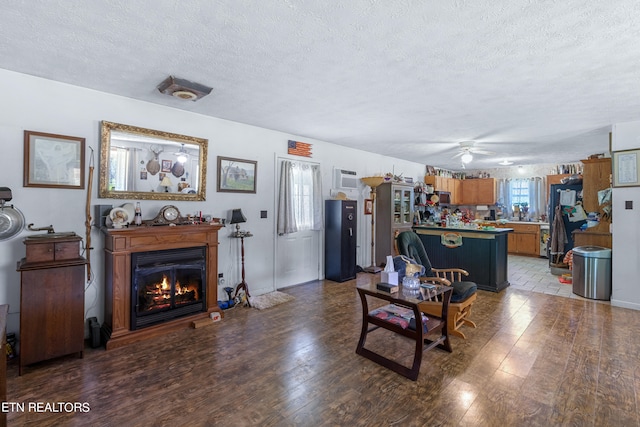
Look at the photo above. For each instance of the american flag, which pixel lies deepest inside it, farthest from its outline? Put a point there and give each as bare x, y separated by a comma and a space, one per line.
299, 148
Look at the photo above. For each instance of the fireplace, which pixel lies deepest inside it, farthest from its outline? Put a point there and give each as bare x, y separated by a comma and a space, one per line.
121, 246
167, 284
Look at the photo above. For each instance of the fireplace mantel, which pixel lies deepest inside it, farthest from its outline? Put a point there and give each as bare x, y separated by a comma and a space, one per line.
119, 244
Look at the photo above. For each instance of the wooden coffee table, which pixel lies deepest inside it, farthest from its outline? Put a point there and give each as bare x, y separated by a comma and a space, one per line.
405, 303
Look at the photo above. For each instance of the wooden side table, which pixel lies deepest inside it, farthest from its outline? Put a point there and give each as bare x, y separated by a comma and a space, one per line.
408, 300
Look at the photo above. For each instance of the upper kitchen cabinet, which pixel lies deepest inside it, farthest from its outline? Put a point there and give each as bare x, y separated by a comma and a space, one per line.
394, 211
442, 183
596, 176
480, 191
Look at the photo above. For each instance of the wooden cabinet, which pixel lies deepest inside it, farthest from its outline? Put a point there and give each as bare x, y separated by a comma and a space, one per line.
51, 299
481, 191
394, 211
441, 183
591, 238
525, 239
596, 176
4, 310
456, 191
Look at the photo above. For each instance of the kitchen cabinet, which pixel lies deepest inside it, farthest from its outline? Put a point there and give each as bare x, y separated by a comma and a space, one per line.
455, 186
596, 176
394, 211
525, 239
441, 183
51, 299
481, 191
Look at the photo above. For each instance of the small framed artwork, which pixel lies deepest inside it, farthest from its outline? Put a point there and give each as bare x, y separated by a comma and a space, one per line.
368, 206
625, 168
236, 175
53, 161
166, 166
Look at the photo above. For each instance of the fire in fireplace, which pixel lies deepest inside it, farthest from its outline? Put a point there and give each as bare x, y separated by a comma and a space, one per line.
167, 284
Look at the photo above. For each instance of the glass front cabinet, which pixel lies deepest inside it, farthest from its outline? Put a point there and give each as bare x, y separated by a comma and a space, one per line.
394, 202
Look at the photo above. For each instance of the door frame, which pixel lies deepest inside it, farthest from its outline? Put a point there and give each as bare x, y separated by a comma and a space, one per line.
276, 185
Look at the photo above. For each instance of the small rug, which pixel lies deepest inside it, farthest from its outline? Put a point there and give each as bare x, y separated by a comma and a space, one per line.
269, 300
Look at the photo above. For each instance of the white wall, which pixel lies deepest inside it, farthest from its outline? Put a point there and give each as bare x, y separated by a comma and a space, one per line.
626, 227
31, 103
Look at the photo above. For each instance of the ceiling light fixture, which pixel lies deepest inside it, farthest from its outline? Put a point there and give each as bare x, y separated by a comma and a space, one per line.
466, 157
520, 169
505, 162
183, 89
182, 155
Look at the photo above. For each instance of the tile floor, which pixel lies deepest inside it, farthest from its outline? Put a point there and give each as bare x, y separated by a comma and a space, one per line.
533, 274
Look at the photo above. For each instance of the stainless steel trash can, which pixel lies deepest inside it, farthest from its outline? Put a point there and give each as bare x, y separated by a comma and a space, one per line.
592, 272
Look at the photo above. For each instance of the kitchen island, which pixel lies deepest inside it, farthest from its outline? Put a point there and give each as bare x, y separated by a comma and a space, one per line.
483, 253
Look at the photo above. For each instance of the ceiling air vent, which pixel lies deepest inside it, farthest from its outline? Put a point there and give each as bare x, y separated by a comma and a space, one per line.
183, 89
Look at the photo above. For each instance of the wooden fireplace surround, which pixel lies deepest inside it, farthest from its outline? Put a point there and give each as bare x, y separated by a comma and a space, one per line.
119, 245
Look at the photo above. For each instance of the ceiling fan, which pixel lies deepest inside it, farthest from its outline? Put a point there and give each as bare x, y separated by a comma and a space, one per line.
467, 150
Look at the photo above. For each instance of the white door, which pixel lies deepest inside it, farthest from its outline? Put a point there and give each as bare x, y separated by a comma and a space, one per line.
297, 255
297, 258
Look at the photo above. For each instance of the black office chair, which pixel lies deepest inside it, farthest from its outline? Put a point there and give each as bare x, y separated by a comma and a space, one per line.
464, 293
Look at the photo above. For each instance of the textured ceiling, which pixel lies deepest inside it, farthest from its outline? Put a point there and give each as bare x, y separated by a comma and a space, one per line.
535, 81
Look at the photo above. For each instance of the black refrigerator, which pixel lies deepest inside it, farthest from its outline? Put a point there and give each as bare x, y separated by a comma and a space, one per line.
554, 198
340, 241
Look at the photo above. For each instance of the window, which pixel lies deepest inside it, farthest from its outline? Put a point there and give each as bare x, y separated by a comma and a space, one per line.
119, 171
302, 190
300, 198
520, 192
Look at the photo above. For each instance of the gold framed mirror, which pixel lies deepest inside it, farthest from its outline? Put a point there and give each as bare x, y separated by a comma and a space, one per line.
139, 163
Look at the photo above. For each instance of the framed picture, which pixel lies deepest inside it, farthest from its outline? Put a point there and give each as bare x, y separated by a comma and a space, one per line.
368, 206
166, 165
625, 168
53, 161
236, 175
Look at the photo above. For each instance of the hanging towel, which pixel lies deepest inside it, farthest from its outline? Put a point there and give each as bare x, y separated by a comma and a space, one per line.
558, 233
568, 198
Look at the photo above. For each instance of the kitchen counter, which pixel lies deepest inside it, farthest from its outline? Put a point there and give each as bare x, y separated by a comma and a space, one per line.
463, 229
483, 253
523, 222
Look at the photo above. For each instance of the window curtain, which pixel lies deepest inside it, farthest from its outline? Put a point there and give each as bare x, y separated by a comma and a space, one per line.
299, 198
504, 197
537, 197
118, 168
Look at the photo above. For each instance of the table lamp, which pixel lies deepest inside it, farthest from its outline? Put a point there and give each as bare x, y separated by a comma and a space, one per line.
166, 183
237, 218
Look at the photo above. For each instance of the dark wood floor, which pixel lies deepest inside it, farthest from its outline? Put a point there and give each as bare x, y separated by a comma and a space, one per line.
534, 360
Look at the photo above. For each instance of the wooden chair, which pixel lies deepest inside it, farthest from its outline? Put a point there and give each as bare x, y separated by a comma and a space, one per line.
408, 243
